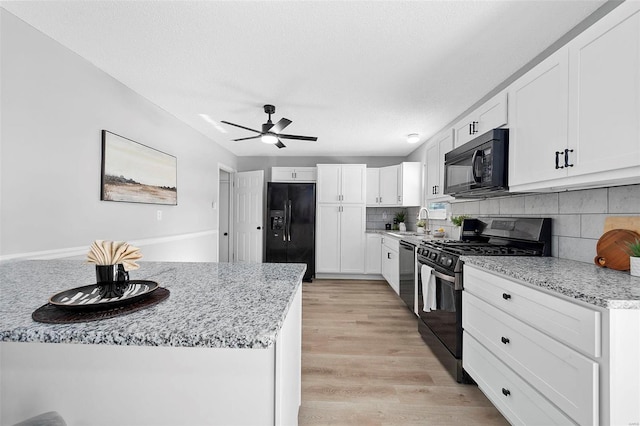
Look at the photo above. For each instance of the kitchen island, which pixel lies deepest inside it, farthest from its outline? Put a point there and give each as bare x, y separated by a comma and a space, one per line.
224, 348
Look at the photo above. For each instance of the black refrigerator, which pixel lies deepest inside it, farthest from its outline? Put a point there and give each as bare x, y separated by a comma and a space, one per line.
291, 225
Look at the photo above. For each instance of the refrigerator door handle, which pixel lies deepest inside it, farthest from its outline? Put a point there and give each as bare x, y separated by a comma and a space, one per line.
284, 231
289, 223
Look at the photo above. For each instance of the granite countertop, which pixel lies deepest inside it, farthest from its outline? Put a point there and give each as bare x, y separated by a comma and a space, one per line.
408, 236
217, 305
578, 280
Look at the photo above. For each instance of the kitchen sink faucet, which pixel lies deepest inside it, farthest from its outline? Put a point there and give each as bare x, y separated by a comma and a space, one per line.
426, 218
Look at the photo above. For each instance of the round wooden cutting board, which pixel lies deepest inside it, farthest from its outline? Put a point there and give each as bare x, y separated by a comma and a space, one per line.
612, 249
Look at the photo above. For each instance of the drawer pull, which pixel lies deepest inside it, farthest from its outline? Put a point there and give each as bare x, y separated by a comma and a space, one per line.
506, 392
504, 340
506, 296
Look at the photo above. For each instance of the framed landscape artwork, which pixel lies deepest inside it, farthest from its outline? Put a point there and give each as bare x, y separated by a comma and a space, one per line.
135, 173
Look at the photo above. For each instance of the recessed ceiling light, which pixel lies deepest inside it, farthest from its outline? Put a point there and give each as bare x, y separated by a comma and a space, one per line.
413, 138
214, 123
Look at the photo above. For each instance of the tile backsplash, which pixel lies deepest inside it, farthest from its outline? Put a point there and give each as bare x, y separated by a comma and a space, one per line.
577, 216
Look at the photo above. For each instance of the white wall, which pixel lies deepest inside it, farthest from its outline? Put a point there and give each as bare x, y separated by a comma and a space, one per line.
54, 105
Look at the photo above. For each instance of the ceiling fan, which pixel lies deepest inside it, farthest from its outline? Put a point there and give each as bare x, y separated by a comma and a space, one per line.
271, 132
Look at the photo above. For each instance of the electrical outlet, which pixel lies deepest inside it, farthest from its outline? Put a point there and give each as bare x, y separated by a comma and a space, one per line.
159, 215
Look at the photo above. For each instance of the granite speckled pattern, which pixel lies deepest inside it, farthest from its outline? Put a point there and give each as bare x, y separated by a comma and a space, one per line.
216, 305
407, 236
578, 280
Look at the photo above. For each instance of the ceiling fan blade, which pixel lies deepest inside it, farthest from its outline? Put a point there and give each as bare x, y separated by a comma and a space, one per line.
280, 125
301, 138
245, 139
280, 144
242, 127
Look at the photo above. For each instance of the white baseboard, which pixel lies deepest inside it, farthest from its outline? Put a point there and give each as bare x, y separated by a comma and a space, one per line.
79, 251
331, 276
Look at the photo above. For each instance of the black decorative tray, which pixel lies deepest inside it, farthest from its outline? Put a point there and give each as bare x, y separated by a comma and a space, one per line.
54, 315
104, 295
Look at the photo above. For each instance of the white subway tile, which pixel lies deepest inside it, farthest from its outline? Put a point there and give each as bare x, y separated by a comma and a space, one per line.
624, 199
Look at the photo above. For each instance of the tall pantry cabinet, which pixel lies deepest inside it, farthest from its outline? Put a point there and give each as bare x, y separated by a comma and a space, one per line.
341, 218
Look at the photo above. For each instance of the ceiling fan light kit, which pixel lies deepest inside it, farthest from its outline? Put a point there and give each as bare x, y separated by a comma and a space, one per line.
269, 138
271, 132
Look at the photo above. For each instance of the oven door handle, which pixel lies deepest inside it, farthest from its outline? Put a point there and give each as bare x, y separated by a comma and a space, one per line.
443, 276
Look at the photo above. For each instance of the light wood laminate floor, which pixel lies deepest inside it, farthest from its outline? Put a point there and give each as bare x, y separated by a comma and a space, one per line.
364, 363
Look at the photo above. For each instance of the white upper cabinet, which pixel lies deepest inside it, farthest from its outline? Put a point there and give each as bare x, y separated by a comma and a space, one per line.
491, 115
373, 186
575, 118
293, 174
389, 179
435, 167
604, 94
397, 185
342, 183
539, 116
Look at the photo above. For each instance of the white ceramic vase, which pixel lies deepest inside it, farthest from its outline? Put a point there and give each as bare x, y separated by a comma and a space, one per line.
455, 233
635, 266
420, 230
402, 227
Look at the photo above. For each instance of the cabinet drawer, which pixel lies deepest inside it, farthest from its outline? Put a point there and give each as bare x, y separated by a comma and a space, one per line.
575, 325
566, 377
515, 399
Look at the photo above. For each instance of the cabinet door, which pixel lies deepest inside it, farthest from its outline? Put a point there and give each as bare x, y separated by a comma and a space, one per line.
465, 130
389, 185
354, 183
604, 93
538, 114
328, 238
329, 189
374, 254
282, 174
433, 171
352, 243
305, 174
444, 146
373, 187
410, 184
493, 113
391, 267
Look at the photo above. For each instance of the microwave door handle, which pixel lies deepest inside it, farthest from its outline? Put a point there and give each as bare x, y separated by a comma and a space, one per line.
477, 154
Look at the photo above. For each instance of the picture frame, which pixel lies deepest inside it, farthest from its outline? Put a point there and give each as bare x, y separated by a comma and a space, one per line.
136, 173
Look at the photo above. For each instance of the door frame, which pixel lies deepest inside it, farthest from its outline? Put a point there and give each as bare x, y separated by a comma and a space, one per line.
231, 172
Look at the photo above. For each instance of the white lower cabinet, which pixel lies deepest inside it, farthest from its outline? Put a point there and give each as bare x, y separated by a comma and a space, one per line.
555, 370
520, 403
543, 358
340, 242
391, 262
372, 264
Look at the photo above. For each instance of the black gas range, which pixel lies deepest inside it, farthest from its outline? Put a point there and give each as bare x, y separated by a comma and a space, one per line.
440, 272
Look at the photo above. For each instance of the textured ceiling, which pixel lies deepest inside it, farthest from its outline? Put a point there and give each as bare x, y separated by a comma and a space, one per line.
359, 75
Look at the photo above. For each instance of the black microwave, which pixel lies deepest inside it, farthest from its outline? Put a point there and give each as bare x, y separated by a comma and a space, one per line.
478, 168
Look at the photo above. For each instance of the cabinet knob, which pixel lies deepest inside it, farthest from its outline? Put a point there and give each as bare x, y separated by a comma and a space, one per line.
259, 227
506, 296
225, 234
506, 392
504, 340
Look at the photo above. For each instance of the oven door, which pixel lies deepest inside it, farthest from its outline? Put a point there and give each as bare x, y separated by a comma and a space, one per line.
446, 320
